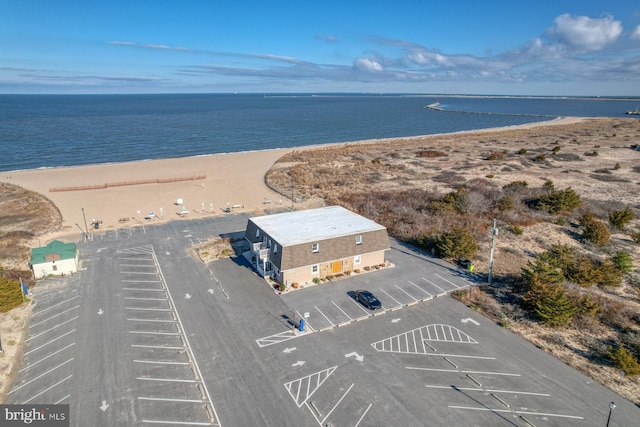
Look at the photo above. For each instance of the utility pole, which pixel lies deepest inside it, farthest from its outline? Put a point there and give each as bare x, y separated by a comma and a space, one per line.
494, 233
85, 224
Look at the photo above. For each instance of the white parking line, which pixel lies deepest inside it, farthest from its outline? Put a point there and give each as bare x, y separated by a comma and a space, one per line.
163, 399
163, 347
542, 414
62, 400
365, 413
138, 265
463, 371
160, 362
40, 376
449, 281
178, 423
411, 283
151, 320
146, 299
139, 272
170, 380
49, 342
51, 329
433, 284
139, 281
46, 389
55, 315
410, 296
330, 322
154, 333
54, 306
147, 309
343, 312
384, 292
486, 390
143, 289
46, 357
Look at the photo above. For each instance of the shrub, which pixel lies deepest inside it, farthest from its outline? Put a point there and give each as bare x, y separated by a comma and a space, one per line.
505, 203
584, 272
540, 158
620, 218
623, 261
515, 186
541, 271
556, 149
496, 155
522, 151
558, 201
560, 220
10, 293
517, 230
610, 275
622, 359
596, 232
635, 236
456, 243
616, 166
551, 304
316, 280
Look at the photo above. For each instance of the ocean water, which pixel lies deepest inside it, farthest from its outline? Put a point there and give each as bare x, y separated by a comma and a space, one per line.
43, 131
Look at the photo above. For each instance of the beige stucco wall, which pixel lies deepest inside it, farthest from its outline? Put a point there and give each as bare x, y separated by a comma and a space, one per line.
303, 275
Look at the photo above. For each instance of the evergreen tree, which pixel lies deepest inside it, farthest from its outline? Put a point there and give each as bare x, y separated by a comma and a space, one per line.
596, 232
551, 304
456, 243
619, 219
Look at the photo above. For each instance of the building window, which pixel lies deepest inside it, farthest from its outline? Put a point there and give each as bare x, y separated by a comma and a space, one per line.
55, 267
257, 232
358, 239
315, 247
315, 268
275, 248
357, 259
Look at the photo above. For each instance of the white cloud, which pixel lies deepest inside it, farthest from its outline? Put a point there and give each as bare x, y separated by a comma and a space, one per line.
635, 34
586, 33
367, 64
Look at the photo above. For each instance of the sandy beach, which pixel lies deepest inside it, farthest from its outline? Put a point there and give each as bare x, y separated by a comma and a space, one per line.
230, 180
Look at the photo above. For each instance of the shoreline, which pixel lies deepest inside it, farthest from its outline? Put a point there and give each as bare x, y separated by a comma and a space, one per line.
233, 181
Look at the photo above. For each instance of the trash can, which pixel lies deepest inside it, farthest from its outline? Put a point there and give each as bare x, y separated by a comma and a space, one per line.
301, 325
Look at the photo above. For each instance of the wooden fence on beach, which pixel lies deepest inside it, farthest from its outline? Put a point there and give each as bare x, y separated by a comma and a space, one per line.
125, 183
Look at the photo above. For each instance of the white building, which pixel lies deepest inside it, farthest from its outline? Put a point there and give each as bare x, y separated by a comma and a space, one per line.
57, 258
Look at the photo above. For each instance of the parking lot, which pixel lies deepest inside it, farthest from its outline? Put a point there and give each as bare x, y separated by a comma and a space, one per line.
147, 335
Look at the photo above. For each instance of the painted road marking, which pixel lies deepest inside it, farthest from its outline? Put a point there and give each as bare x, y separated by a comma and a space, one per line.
55, 315
486, 390
303, 388
387, 294
54, 306
330, 322
47, 389
51, 329
343, 312
542, 414
39, 376
408, 342
276, 338
434, 285
46, 357
508, 374
411, 283
49, 342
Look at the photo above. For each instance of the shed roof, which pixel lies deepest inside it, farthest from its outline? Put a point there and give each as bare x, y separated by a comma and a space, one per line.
313, 225
65, 250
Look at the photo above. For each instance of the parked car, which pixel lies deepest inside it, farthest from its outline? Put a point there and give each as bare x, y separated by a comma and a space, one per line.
368, 299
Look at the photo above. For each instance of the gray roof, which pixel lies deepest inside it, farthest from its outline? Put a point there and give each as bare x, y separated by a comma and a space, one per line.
314, 225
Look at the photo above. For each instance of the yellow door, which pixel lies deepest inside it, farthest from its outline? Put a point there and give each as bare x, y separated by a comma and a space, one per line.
336, 267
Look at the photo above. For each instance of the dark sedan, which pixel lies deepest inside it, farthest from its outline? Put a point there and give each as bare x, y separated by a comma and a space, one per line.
367, 299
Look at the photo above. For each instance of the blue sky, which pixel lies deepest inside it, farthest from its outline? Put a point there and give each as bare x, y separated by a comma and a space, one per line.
461, 47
